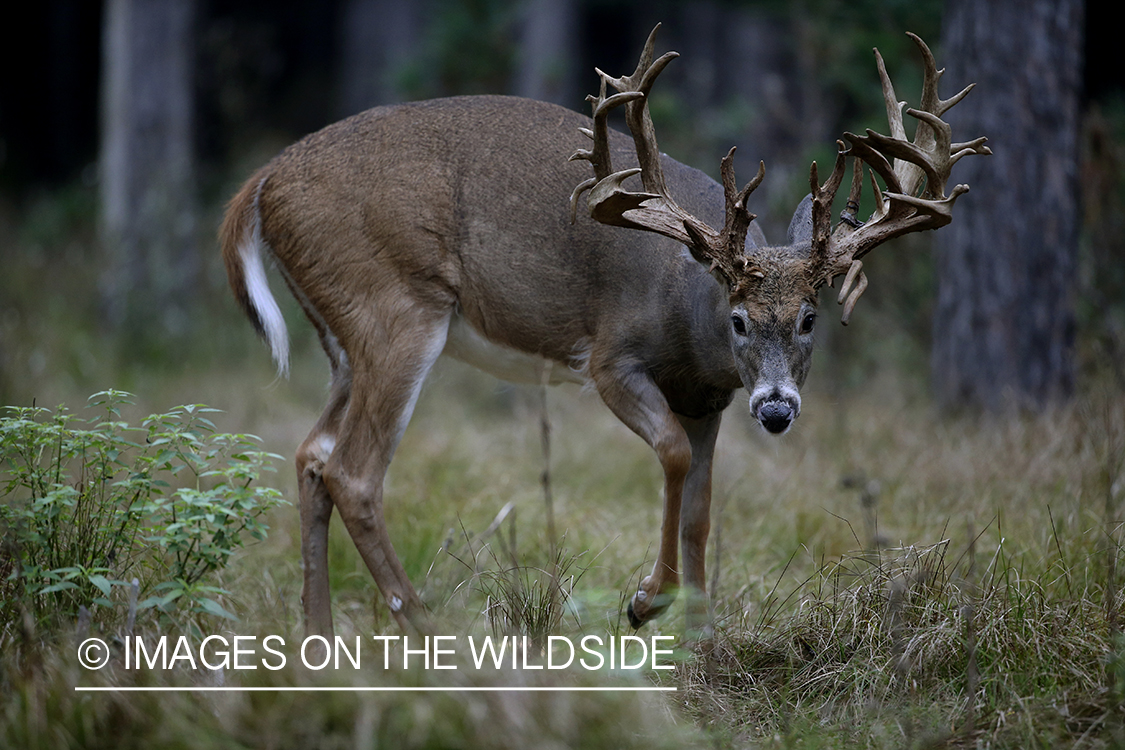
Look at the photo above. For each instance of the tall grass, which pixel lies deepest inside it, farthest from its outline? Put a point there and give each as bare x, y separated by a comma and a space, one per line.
889, 576
967, 594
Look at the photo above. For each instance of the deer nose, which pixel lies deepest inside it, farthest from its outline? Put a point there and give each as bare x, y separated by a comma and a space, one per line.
775, 416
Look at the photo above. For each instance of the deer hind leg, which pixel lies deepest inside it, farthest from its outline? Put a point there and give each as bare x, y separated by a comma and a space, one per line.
387, 375
632, 395
695, 522
316, 505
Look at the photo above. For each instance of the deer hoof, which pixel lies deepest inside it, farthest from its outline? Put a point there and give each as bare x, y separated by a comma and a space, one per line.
634, 621
645, 606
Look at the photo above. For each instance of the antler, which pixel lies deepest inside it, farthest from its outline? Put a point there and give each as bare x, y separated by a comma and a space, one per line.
654, 209
914, 173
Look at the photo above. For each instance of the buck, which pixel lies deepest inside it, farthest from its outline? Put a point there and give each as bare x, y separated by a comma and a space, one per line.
448, 226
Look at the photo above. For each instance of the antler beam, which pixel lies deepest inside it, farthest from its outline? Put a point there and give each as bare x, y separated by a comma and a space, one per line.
915, 174
654, 210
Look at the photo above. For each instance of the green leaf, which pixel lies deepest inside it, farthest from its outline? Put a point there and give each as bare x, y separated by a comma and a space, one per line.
170, 597
101, 582
212, 607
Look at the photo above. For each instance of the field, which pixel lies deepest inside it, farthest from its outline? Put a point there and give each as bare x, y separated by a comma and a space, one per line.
884, 575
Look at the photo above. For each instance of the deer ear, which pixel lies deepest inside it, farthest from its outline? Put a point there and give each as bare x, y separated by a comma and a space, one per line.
755, 238
801, 226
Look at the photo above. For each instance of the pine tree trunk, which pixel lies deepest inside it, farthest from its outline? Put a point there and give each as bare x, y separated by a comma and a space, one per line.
148, 219
1004, 319
377, 40
548, 49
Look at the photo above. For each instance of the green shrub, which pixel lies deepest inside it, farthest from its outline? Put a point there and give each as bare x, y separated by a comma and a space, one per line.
87, 506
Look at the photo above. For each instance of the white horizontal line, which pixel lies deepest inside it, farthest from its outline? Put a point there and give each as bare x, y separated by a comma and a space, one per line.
364, 689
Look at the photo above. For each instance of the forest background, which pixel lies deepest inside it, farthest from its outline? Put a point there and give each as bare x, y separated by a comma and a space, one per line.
974, 406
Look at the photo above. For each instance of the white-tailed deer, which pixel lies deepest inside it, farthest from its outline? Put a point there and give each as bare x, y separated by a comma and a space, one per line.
445, 226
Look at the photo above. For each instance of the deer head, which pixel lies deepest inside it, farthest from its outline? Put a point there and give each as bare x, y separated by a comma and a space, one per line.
772, 291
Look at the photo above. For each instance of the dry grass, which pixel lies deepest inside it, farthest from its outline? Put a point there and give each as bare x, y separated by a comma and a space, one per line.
888, 576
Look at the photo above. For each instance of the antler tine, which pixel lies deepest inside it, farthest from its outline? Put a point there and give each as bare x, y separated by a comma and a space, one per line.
654, 209
598, 156
908, 175
849, 223
637, 116
823, 237
915, 173
931, 102
851, 208
893, 105
849, 296
822, 197
736, 199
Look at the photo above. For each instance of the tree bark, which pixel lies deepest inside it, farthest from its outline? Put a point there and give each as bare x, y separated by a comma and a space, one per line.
148, 218
547, 51
1004, 319
377, 40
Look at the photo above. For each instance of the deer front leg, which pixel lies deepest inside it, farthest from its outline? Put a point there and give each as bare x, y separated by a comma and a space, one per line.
695, 523
632, 395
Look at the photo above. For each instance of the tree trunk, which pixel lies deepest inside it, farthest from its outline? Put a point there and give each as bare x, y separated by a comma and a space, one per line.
1004, 319
547, 51
148, 216
377, 40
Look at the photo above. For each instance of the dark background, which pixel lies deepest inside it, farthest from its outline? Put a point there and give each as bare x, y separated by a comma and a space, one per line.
780, 80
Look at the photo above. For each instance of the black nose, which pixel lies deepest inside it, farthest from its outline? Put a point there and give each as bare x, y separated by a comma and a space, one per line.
775, 416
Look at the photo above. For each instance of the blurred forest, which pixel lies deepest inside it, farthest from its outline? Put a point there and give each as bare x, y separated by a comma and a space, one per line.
126, 124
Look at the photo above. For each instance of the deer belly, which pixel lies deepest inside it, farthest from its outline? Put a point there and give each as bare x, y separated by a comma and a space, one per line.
466, 344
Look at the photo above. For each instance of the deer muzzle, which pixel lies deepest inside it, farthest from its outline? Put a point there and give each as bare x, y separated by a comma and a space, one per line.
776, 410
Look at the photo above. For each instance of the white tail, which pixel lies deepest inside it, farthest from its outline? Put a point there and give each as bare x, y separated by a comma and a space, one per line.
252, 288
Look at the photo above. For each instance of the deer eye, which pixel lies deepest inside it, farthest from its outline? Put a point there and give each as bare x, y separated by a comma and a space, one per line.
739, 324
807, 323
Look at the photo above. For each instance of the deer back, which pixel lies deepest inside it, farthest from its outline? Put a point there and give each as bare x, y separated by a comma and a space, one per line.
466, 201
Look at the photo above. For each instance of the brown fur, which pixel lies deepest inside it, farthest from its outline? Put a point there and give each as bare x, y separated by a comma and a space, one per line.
387, 224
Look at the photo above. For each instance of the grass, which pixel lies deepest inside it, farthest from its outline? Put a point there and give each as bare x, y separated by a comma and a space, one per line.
888, 577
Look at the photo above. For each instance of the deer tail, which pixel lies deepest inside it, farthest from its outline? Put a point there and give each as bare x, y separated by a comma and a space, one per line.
243, 254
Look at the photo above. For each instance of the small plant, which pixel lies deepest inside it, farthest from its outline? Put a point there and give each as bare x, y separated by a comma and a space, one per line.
528, 599
88, 505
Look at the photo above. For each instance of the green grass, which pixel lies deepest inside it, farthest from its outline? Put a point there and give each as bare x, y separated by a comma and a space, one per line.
888, 577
